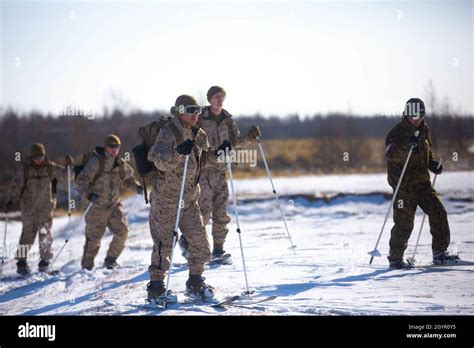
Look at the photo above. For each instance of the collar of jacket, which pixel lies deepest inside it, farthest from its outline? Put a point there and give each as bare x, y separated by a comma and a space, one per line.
206, 115
34, 165
100, 151
181, 129
411, 128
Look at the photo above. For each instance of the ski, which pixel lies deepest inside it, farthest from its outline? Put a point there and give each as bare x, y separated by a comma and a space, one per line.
226, 302
232, 301
454, 261
163, 306
451, 264
56, 272
221, 260
252, 303
139, 305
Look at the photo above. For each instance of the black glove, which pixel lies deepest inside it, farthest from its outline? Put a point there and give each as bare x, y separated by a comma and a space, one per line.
413, 141
92, 197
139, 189
186, 147
8, 206
225, 146
433, 166
254, 132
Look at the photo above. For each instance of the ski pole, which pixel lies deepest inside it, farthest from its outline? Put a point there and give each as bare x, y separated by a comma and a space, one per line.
375, 252
145, 189
4, 244
176, 225
237, 221
67, 240
424, 217
277, 199
69, 193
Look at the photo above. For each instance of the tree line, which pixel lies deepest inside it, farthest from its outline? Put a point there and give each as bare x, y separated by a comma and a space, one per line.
295, 144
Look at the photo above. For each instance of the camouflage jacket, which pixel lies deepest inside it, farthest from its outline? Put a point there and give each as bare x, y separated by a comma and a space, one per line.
107, 186
396, 151
219, 129
170, 163
33, 185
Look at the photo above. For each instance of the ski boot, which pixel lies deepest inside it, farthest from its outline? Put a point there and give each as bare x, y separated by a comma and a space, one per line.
217, 252
87, 263
184, 246
22, 267
400, 264
219, 256
110, 262
43, 266
197, 289
156, 293
445, 258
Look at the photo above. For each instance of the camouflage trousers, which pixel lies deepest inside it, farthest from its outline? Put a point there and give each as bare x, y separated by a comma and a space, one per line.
97, 220
36, 223
213, 203
404, 209
162, 221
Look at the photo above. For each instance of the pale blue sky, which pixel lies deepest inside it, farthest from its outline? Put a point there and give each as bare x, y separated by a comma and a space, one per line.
272, 57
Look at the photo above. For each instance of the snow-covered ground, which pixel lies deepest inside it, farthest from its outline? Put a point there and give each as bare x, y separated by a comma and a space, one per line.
328, 275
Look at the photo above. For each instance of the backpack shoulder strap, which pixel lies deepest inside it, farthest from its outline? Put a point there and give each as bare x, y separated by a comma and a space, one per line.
50, 170
177, 134
26, 171
230, 127
101, 166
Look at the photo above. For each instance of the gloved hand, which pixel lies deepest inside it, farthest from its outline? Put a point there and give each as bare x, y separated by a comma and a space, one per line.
254, 132
223, 147
69, 160
92, 197
413, 141
433, 166
186, 147
8, 206
139, 189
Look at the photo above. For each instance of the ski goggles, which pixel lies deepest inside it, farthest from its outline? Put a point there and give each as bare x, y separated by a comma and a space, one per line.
114, 146
189, 109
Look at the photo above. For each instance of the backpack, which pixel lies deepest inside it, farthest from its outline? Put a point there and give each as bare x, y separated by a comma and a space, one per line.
147, 135
87, 157
26, 172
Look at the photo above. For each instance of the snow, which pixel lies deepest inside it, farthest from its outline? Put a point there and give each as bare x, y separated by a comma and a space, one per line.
334, 221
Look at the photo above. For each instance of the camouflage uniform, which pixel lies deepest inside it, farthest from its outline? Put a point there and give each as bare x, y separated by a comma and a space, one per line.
415, 189
34, 186
165, 195
107, 210
213, 182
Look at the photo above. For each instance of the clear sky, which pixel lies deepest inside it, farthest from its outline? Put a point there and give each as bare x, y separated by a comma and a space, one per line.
272, 57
